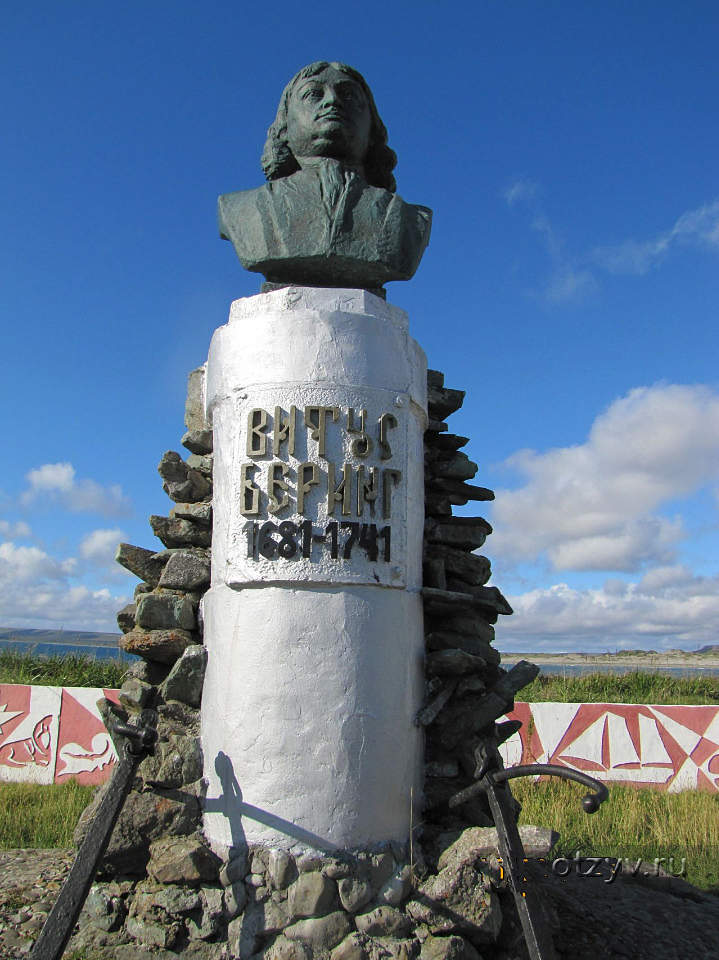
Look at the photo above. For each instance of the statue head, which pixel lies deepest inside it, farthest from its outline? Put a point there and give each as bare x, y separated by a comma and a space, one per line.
327, 110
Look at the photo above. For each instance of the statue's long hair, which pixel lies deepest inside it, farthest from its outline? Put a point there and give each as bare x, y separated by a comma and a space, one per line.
279, 161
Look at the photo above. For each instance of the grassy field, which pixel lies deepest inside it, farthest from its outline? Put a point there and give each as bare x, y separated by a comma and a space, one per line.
632, 823
635, 687
33, 815
68, 670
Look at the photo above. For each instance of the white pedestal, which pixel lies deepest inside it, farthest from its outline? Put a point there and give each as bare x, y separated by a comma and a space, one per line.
313, 623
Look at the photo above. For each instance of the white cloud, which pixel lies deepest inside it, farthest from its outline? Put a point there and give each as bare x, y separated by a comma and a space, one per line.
668, 608
590, 506
97, 550
520, 189
574, 276
36, 589
57, 482
100, 545
21, 566
699, 227
14, 531
568, 280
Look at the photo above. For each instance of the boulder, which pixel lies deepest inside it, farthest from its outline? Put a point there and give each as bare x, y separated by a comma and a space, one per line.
144, 818
320, 933
180, 533
384, 921
186, 570
162, 646
185, 860
141, 562
311, 895
185, 680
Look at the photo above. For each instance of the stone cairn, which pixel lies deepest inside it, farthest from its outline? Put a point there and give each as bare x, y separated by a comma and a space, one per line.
161, 890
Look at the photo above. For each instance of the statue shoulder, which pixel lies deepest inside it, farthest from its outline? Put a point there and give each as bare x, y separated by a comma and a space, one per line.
236, 209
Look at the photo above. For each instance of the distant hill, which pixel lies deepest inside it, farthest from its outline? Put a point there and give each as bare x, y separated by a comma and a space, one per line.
79, 638
711, 648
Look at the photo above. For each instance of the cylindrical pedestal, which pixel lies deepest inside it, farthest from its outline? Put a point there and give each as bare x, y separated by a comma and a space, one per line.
313, 623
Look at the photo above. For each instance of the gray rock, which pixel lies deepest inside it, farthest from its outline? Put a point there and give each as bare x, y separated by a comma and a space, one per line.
139, 561
177, 717
104, 911
144, 817
429, 713
234, 869
245, 934
148, 672
161, 646
479, 843
186, 571
354, 893
201, 463
320, 933
456, 467
199, 513
198, 441
165, 611
453, 663
184, 860
462, 635
281, 869
235, 899
463, 533
151, 933
182, 483
352, 948
311, 895
135, 694
195, 402
397, 888
142, 588
180, 533
442, 402
457, 900
126, 618
210, 921
384, 921
390, 948
284, 949
185, 680
176, 762
448, 948
457, 491
174, 900
381, 868
472, 568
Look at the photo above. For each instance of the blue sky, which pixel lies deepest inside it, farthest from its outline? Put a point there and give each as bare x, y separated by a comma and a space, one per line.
569, 152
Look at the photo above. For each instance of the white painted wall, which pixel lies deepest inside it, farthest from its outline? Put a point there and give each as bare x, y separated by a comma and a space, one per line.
315, 662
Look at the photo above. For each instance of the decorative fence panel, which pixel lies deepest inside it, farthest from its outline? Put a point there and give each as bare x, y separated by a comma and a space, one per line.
50, 734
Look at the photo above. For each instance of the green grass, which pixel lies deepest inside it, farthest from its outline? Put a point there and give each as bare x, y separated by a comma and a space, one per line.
635, 687
35, 815
632, 823
68, 670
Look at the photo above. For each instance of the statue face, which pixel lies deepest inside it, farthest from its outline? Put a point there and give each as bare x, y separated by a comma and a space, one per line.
328, 116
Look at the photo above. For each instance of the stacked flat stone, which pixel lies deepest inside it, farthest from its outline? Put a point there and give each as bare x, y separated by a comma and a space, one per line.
467, 690
162, 888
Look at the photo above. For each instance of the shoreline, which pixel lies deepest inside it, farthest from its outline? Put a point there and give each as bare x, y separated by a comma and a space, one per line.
612, 660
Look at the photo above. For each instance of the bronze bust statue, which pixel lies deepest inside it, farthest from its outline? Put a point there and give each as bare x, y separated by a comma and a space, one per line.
329, 214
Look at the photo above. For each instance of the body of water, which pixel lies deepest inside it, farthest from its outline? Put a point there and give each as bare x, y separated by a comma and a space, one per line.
580, 669
99, 651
